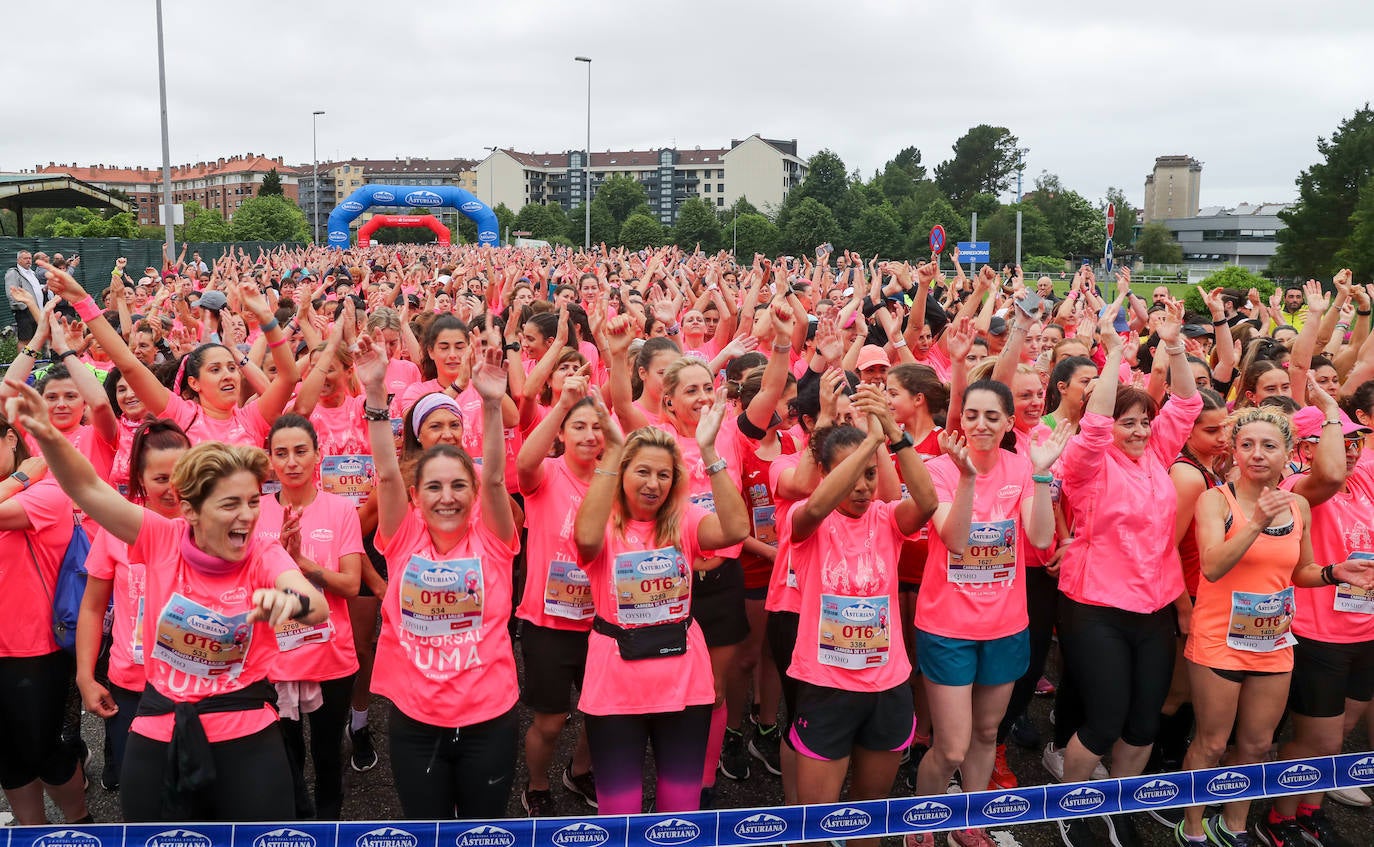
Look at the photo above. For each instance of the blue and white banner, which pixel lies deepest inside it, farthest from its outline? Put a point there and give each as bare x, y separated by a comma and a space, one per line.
742, 827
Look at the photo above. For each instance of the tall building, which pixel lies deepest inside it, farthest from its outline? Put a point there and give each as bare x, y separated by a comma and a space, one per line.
340, 179
221, 185
1173, 189
759, 169
1246, 235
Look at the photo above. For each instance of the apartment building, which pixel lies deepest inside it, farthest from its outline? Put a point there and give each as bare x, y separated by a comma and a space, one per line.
759, 169
221, 185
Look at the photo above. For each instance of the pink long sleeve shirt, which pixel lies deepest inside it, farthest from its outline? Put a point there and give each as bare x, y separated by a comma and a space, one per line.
1121, 511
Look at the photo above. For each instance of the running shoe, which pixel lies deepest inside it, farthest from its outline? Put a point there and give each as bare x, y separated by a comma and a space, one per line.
583, 785
537, 804
1355, 797
1025, 733
1121, 831
1282, 834
764, 746
919, 839
970, 838
364, 757
1170, 818
1319, 833
1053, 760
734, 758
1002, 775
1219, 835
955, 784
1082, 832
1044, 688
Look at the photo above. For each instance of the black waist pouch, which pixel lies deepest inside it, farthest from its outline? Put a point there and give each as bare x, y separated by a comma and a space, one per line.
646, 642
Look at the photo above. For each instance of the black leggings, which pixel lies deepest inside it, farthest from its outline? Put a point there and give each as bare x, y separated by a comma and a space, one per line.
1127, 659
443, 772
117, 727
33, 693
252, 780
617, 745
326, 751
1042, 604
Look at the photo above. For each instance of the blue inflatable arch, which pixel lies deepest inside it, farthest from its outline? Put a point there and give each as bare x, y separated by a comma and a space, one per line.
413, 196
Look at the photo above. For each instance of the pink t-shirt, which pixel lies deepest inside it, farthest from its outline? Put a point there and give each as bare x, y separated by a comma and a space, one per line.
120, 453
28, 578
1339, 614
415, 391
783, 594
699, 484
346, 467
109, 559
848, 636
400, 375
938, 360
197, 642
470, 404
983, 596
444, 656
558, 594
329, 530
244, 426
635, 582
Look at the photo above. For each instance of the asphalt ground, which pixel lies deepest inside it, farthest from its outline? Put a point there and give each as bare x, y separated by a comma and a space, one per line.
372, 795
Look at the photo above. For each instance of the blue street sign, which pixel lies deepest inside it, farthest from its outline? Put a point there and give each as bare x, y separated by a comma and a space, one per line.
974, 251
1107, 258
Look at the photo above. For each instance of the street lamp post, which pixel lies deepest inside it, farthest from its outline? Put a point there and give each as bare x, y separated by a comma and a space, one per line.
587, 165
491, 180
315, 171
166, 147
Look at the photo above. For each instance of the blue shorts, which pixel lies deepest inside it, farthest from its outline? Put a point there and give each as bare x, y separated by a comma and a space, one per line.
959, 661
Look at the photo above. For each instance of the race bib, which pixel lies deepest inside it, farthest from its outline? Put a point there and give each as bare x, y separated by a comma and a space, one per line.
990, 555
293, 635
350, 476
201, 642
136, 637
568, 592
765, 525
1352, 599
652, 586
441, 598
854, 632
1260, 623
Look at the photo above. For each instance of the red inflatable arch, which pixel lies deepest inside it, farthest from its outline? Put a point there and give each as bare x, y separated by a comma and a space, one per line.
378, 221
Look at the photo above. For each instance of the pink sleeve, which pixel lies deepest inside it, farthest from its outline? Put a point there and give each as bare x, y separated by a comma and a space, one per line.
274, 562
156, 534
1172, 426
691, 523
180, 410
1087, 451
99, 563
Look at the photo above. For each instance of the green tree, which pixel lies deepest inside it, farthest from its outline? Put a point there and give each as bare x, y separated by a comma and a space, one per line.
203, 225
640, 230
982, 203
1000, 231
878, 232
826, 181
269, 218
752, 233
809, 225
623, 196
604, 227
121, 225
541, 221
697, 224
1078, 227
909, 160
1358, 252
1156, 245
742, 206
505, 222
984, 159
938, 211
1320, 223
271, 184
1125, 219
1233, 277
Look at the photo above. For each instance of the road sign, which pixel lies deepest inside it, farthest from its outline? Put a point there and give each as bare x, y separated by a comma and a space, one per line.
974, 251
1108, 263
1111, 219
937, 238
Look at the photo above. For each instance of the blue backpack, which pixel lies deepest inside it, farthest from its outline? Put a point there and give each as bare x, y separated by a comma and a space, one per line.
71, 585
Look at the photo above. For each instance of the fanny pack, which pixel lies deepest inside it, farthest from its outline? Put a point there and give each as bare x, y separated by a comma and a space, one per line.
646, 642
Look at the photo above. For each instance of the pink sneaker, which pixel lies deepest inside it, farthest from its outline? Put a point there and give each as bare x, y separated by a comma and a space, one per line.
1044, 688
970, 838
919, 839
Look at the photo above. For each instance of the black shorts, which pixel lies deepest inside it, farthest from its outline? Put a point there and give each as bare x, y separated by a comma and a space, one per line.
781, 632
718, 604
555, 661
830, 722
378, 562
1325, 675
1239, 677
33, 694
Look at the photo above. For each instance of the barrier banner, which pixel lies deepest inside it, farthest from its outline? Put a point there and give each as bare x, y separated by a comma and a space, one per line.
742, 827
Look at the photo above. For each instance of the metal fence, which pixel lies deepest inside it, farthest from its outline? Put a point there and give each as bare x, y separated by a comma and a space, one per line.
98, 257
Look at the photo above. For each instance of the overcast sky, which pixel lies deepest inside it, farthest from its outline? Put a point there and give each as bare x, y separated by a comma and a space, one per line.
1095, 90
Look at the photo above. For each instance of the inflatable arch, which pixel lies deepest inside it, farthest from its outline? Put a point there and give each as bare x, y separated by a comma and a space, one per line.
431, 197
378, 221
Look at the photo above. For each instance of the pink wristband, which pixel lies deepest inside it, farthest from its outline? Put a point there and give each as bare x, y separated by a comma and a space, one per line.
87, 310
272, 345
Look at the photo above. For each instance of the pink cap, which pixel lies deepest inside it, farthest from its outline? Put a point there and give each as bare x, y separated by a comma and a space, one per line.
871, 356
1307, 423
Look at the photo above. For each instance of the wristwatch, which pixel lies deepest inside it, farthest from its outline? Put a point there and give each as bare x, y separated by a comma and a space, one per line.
512, 347
895, 447
23, 479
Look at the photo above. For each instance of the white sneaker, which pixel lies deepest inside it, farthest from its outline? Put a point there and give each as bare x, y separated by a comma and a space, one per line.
1053, 760
1350, 797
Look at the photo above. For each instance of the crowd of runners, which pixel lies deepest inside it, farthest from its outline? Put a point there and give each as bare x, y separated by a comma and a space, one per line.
822, 516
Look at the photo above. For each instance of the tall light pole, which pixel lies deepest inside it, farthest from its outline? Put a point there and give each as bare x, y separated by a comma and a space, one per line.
315, 171
491, 179
166, 146
587, 169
